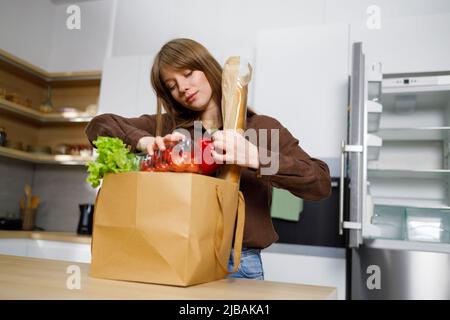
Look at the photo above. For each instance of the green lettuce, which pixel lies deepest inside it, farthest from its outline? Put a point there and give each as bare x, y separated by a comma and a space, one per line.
113, 157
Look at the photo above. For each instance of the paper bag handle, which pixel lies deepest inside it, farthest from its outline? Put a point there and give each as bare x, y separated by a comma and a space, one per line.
93, 218
238, 236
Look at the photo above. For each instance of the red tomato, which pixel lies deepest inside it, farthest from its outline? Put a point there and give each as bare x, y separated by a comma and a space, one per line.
180, 158
208, 166
192, 167
146, 164
167, 158
161, 167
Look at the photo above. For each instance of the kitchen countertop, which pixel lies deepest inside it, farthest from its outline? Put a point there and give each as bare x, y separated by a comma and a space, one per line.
45, 235
30, 278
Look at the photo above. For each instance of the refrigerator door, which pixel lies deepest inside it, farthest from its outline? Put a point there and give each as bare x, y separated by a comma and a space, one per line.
356, 150
379, 273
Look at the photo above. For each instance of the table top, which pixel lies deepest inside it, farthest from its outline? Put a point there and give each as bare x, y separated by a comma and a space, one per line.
31, 278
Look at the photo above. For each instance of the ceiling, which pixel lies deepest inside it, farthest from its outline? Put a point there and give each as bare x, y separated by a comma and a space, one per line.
57, 2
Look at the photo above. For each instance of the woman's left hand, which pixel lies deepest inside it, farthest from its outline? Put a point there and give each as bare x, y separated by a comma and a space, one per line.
235, 149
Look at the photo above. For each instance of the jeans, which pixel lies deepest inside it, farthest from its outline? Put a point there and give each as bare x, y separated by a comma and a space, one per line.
250, 266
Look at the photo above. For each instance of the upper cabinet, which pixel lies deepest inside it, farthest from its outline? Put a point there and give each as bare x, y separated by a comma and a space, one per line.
407, 45
44, 114
126, 89
301, 79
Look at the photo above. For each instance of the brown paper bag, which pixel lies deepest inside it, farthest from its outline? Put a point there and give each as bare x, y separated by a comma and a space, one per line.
166, 228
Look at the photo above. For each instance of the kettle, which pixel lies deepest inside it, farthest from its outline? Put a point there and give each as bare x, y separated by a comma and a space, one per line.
86, 219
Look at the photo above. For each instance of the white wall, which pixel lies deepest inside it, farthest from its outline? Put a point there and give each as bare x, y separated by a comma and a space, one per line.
143, 26
313, 103
35, 30
25, 28
354, 11
84, 49
226, 28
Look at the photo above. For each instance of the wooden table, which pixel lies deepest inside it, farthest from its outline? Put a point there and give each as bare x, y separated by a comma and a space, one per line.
30, 278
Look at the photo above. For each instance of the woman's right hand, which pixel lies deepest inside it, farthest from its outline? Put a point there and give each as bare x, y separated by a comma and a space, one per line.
150, 144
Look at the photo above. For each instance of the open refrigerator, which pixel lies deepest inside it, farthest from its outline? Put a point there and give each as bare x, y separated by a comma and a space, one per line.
397, 163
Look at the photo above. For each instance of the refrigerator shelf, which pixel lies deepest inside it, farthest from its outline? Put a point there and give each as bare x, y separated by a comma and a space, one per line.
407, 102
409, 223
374, 110
399, 173
415, 134
411, 203
374, 144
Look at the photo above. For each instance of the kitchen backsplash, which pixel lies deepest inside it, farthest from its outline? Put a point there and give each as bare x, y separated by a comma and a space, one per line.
61, 189
14, 174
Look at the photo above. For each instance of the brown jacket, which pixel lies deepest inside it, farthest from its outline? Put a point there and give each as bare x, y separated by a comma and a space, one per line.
302, 175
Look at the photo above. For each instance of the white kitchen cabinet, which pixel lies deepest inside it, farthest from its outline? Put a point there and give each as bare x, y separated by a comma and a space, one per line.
43, 249
301, 79
56, 250
126, 89
306, 269
407, 45
14, 247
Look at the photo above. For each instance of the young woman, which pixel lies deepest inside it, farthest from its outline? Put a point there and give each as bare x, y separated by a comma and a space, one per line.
187, 82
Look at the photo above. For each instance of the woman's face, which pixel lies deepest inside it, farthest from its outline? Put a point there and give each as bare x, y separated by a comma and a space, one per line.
190, 88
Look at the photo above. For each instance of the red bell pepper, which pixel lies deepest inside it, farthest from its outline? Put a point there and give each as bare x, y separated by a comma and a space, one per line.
208, 165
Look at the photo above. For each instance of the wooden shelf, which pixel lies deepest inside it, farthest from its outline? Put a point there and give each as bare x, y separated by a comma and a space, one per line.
75, 92
43, 75
40, 117
44, 158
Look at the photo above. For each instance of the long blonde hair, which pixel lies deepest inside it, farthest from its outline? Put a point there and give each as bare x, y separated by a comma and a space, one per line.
184, 54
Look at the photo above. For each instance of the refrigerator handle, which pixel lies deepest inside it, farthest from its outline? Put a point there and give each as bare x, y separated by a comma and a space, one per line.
346, 224
341, 189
